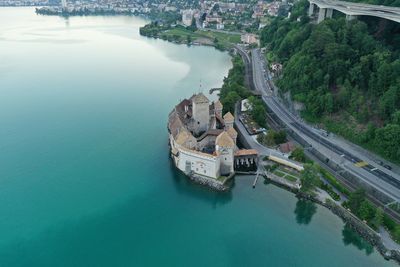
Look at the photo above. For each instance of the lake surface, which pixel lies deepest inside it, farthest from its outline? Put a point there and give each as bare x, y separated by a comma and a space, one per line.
85, 175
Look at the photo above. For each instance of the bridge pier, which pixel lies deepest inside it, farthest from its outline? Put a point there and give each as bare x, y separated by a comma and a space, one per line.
350, 17
311, 9
329, 12
321, 14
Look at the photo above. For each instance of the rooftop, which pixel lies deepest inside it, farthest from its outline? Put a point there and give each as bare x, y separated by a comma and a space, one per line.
246, 152
229, 117
218, 104
183, 136
232, 132
200, 98
224, 140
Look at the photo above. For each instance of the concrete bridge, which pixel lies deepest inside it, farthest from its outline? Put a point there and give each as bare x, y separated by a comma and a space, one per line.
352, 10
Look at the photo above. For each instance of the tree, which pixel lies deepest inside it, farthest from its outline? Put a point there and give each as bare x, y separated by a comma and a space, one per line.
377, 221
298, 154
269, 138
366, 211
396, 117
280, 137
229, 101
258, 111
356, 199
193, 25
309, 178
341, 71
388, 140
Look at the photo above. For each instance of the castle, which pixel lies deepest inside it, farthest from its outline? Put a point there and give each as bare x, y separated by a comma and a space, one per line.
203, 141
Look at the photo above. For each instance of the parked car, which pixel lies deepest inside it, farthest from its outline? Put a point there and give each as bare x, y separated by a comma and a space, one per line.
387, 167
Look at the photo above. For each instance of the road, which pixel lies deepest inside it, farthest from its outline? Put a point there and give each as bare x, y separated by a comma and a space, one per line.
375, 175
261, 150
360, 9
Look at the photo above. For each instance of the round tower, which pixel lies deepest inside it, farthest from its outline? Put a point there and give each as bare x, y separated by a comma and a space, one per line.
201, 113
228, 121
224, 146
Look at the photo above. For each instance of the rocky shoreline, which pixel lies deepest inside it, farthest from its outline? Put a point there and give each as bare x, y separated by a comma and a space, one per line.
366, 232
357, 225
209, 182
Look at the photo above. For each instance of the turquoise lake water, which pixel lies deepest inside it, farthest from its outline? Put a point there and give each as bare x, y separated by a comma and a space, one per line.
85, 175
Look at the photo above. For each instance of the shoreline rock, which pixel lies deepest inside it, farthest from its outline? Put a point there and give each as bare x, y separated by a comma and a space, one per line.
209, 182
366, 232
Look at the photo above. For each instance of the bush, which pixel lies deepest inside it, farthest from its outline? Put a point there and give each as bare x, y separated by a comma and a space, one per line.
298, 154
330, 191
332, 180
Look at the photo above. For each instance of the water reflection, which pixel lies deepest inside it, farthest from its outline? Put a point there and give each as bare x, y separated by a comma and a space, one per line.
351, 237
304, 211
66, 20
185, 186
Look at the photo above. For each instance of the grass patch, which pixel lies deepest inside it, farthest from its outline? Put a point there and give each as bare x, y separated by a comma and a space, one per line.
290, 178
333, 181
219, 39
224, 38
279, 173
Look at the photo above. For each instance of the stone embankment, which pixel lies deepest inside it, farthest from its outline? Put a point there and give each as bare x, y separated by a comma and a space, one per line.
212, 183
292, 186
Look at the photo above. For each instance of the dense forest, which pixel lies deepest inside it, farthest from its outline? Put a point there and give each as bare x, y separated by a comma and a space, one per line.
347, 74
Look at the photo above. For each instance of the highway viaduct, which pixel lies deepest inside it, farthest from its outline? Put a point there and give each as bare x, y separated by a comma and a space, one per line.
352, 10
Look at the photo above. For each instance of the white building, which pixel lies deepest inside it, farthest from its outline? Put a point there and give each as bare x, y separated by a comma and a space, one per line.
187, 17
202, 141
220, 26
249, 38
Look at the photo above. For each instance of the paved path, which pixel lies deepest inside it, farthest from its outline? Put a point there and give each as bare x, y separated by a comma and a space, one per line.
360, 9
387, 240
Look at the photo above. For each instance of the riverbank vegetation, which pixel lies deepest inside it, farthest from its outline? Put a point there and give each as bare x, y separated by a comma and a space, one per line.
313, 176
189, 35
373, 216
309, 178
347, 73
233, 88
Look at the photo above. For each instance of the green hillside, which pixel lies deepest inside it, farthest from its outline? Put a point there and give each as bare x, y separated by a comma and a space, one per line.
346, 73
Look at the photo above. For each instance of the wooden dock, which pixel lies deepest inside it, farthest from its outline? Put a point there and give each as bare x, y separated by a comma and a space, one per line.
260, 170
256, 179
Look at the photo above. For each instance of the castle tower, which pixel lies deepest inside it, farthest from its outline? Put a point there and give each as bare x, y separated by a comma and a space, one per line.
224, 146
228, 120
218, 108
233, 134
201, 113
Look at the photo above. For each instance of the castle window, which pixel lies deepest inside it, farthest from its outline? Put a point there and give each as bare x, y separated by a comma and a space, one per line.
198, 122
204, 171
